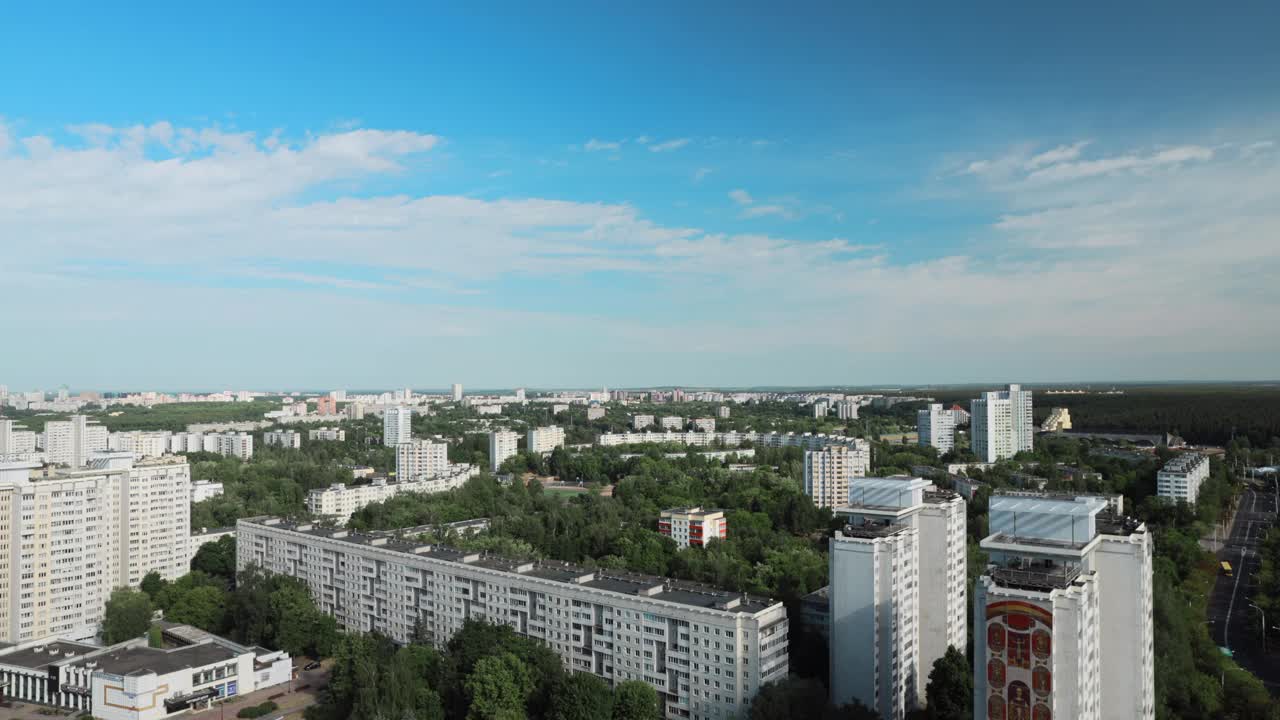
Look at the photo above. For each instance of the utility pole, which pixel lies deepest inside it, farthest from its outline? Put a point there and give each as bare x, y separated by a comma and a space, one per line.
1264, 626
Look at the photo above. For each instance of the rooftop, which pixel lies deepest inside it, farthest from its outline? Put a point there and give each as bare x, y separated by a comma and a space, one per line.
1042, 579
1183, 463
140, 659
35, 657
873, 531
1078, 506
626, 583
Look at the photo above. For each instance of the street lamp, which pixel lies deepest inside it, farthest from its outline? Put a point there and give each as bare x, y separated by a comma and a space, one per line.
1264, 626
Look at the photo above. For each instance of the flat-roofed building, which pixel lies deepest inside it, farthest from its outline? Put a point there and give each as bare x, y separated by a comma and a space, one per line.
544, 439
693, 525
282, 438
1063, 613
705, 651
503, 444
1182, 476
827, 473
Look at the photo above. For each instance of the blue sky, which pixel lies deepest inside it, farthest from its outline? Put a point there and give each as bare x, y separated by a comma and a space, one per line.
307, 195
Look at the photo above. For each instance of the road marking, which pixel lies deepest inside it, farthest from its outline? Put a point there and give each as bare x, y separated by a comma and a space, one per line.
1226, 625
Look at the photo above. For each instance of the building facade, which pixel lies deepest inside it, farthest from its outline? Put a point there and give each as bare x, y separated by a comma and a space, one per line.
456, 392
503, 444
901, 560
282, 438
640, 422
1001, 425
544, 439
68, 537
16, 442
1182, 476
827, 473
936, 428
421, 459
704, 425
71, 441
706, 652
693, 526
1063, 613
338, 502
327, 434
397, 425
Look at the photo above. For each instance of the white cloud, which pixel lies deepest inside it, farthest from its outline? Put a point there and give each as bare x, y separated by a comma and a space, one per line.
644, 140
594, 145
1065, 171
669, 145
701, 173
1062, 153
1067, 267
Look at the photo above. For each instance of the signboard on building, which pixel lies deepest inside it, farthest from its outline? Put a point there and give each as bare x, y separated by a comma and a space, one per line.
1019, 661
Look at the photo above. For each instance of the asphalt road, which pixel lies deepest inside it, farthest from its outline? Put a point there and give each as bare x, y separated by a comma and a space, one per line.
1234, 621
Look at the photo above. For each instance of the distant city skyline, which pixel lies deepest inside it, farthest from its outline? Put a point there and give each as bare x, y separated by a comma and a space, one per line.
710, 194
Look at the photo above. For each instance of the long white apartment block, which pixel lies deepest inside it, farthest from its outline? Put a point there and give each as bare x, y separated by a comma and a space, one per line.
68, 537
828, 472
936, 427
705, 651
397, 425
1182, 476
327, 434
230, 444
1001, 425
544, 439
421, 459
1063, 613
141, 444
897, 597
503, 444
282, 438
71, 441
807, 441
339, 502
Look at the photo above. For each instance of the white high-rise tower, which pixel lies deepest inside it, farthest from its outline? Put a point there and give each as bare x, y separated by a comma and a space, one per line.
936, 427
1001, 425
397, 426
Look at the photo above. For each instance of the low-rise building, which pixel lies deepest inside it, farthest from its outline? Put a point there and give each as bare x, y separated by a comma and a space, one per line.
1059, 419
693, 526
595, 412
202, 490
131, 681
338, 502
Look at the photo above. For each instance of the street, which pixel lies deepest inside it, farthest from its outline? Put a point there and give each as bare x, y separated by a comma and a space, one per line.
1233, 619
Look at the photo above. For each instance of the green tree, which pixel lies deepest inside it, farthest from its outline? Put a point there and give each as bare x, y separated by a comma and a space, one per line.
204, 607
580, 696
950, 690
153, 585
155, 637
127, 616
498, 688
635, 700
217, 559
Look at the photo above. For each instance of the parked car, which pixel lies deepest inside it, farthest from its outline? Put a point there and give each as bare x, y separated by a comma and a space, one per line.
311, 666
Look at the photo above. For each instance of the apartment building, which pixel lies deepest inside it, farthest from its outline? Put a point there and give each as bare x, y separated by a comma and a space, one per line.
1000, 424
671, 422
820, 408
704, 425
827, 473
936, 427
327, 434
16, 442
354, 411
808, 441
326, 406
898, 576
456, 392
339, 502
1182, 476
68, 537
693, 526
503, 444
722, 412
141, 444
640, 422
706, 652
1063, 613
397, 425
421, 459
595, 412
544, 439
231, 444
70, 442
847, 410
282, 438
